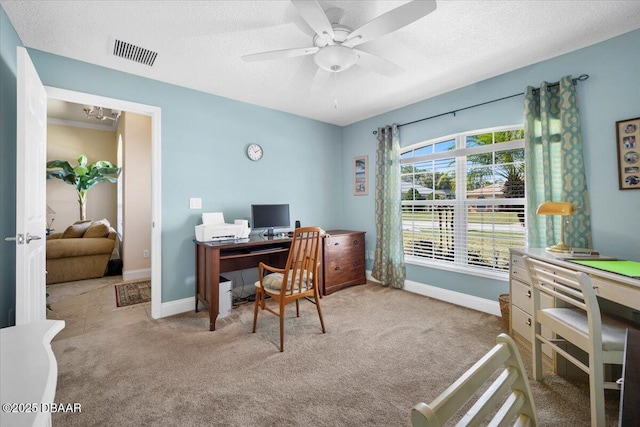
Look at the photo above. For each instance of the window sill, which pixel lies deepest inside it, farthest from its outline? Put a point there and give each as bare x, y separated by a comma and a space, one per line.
496, 275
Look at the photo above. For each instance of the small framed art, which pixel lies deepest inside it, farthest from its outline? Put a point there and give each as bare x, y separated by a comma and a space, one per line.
628, 142
360, 175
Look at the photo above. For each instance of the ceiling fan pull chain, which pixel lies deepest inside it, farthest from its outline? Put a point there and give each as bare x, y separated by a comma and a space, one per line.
335, 90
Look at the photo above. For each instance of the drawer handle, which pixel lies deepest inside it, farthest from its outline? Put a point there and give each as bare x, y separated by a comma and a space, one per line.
336, 244
355, 264
337, 268
529, 293
355, 242
529, 322
515, 260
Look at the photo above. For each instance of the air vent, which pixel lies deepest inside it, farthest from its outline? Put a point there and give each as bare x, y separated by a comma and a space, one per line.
134, 53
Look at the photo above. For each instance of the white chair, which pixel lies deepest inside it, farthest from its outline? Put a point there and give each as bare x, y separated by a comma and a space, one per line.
575, 319
510, 389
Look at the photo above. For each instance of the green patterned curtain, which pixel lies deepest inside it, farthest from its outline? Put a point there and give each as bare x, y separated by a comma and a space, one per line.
388, 266
554, 164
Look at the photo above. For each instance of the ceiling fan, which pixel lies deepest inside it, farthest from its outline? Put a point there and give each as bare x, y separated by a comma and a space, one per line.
334, 44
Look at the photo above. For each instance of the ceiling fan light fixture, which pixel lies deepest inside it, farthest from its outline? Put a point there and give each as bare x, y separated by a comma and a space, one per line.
335, 58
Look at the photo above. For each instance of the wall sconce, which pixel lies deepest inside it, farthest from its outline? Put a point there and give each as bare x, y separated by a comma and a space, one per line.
557, 208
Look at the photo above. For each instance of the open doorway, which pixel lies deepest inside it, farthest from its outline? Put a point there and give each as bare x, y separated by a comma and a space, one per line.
136, 148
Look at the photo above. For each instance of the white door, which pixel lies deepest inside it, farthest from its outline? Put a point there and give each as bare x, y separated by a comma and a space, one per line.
30, 193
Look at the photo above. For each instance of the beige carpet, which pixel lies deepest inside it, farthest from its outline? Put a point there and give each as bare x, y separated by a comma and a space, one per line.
384, 351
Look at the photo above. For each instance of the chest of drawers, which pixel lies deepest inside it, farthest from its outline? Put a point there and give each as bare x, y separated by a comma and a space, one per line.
343, 260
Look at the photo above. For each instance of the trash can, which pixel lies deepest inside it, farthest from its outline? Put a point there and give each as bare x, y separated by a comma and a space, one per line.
503, 299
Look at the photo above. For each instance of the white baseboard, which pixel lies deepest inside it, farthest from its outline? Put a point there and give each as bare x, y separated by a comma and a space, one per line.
143, 273
178, 306
458, 298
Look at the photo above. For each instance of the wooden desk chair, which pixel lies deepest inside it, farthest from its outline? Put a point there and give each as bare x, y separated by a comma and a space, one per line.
300, 276
510, 389
578, 322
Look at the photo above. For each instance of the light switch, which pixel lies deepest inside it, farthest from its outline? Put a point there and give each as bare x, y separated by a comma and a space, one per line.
195, 203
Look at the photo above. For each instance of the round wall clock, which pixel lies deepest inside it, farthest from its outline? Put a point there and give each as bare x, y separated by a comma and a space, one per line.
254, 152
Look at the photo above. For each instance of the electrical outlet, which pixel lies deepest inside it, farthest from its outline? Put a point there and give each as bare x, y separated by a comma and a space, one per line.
145, 253
195, 203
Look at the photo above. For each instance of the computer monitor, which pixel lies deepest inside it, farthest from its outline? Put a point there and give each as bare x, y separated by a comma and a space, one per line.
269, 217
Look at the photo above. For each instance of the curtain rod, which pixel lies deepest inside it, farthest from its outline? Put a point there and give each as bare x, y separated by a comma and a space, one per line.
575, 81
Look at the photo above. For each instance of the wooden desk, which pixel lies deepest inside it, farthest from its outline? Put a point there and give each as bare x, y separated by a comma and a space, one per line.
213, 258
630, 394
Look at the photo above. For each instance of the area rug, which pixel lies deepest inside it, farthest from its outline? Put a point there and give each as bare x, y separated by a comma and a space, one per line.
133, 293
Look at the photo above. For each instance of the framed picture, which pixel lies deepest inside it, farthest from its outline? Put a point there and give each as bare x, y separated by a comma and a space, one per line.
628, 142
360, 175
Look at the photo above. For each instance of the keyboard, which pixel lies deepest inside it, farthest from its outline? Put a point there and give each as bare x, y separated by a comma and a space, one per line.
270, 249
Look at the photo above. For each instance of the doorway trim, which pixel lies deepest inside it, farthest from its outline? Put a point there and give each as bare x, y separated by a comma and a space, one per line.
156, 211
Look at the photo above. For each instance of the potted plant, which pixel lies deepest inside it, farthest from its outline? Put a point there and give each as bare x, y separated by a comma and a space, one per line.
83, 176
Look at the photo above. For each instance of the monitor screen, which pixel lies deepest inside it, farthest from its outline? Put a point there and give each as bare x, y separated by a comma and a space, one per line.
270, 217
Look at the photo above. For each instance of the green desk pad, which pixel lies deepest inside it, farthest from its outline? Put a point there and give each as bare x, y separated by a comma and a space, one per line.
626, 268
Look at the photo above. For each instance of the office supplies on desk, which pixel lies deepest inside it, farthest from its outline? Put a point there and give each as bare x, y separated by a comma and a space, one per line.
584, 252
580, 254
214, 228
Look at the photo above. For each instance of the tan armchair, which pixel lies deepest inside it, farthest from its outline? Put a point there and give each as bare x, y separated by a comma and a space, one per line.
81, 252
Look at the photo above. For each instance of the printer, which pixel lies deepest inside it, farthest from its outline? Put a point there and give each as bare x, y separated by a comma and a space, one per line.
214, 228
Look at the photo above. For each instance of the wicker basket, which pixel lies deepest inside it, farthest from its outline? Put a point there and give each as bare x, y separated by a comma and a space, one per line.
503, 299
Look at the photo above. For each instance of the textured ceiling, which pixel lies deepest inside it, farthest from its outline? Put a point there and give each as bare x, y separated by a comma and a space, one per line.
199, 45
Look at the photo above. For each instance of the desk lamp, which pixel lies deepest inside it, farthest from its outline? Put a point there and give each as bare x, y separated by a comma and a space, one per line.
557, 208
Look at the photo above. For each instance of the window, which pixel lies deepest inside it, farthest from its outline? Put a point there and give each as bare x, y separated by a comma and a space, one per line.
463, 199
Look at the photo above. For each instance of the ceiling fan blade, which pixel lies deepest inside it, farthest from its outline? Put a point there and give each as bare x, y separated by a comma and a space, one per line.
377, 64
312, 12
320, 79
280, 54
391, 21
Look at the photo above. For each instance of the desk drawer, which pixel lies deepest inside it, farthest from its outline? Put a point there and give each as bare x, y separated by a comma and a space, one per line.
616, 291
521, 323
520, 274
518, 269
521, 295
349, 269
343, 260
517, 261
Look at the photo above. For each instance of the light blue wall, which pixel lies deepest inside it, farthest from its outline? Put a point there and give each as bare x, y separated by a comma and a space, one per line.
8, 41
612, 93
308, 163
203, 155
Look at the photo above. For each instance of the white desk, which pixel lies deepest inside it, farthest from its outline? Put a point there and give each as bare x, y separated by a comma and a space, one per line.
614, 287
29, 371
620, 289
